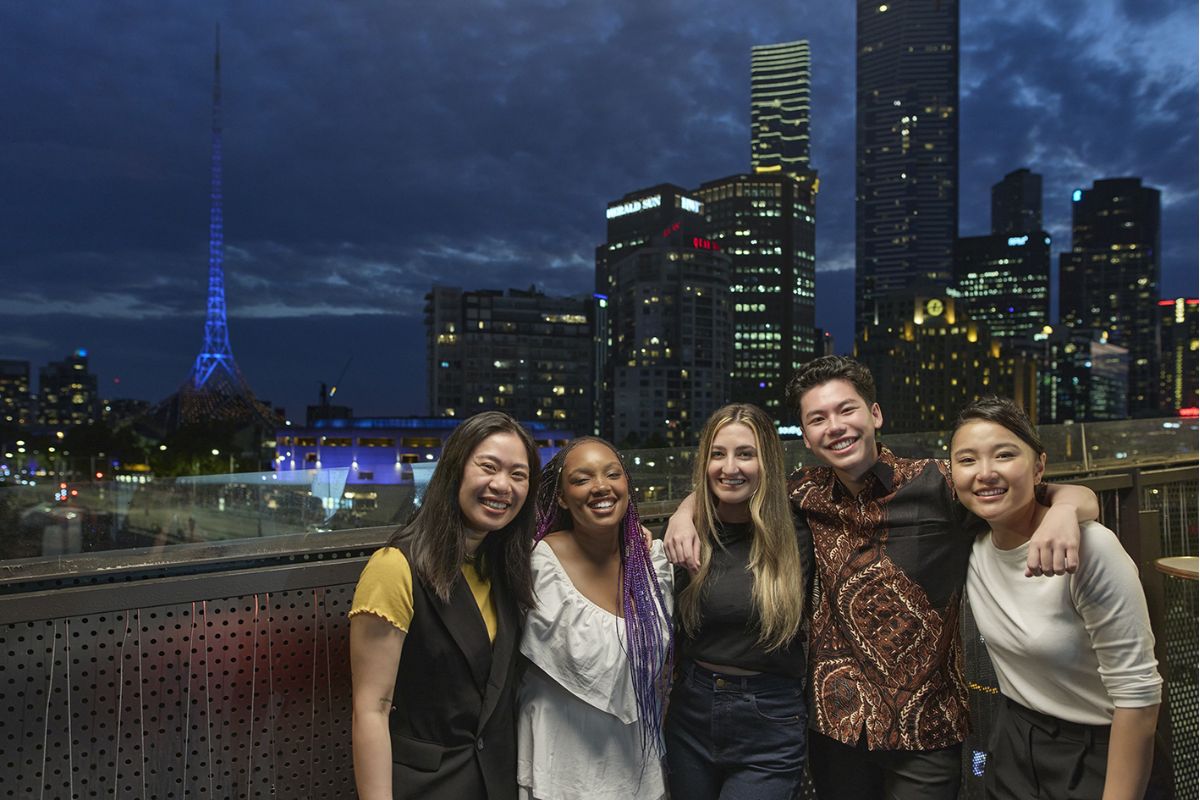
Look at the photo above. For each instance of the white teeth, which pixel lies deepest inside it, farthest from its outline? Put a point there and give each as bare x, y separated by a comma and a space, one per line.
733, 481
842, 445
603, 505
990, 492
496, 504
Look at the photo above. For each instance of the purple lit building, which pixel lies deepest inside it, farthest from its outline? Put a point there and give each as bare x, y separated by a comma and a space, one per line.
382, 450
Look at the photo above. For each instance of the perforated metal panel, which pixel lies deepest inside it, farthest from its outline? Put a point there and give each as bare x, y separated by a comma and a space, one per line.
247, 697
1176, 502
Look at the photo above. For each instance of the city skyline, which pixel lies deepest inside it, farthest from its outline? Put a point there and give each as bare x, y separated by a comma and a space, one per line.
370, 154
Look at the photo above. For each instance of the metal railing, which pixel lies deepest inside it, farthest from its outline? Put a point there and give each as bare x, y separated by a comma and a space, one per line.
220, 667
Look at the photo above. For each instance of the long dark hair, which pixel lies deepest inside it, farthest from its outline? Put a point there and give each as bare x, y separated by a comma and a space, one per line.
649, 639
436, 537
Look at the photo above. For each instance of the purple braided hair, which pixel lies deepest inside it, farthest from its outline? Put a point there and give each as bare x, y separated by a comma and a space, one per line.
649, 642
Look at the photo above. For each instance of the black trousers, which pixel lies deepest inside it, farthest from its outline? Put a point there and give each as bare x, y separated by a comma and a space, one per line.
843, 772
1036, 755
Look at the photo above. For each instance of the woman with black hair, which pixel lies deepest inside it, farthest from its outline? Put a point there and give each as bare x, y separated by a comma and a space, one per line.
1074, 658
435, 625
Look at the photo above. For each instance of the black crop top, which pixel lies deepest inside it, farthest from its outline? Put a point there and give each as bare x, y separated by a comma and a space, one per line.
728, 631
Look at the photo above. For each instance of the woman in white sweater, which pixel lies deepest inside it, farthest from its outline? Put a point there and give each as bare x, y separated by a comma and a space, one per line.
1074, 658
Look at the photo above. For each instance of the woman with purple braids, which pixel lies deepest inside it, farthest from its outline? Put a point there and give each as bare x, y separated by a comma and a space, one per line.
598, 639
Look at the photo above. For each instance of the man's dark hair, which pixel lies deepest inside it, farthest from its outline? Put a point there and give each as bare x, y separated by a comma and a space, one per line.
830, 368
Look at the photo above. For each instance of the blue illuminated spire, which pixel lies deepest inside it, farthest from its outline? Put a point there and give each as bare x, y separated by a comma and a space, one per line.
216, 357
215, 390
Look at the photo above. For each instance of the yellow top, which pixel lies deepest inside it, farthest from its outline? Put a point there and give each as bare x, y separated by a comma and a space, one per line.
385, 589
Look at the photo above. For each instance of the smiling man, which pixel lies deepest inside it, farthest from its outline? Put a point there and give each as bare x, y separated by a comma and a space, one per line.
891, 544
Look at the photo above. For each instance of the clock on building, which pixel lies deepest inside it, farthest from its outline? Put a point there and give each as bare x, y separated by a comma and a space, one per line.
934, 307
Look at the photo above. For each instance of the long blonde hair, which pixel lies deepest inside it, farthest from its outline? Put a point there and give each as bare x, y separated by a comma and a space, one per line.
778, 594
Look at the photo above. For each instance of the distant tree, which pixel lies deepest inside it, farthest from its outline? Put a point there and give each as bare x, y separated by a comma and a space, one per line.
654, 440
631, 441
189, 451
98, 444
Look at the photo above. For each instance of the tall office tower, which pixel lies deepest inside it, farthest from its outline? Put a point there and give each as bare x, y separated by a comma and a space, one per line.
766, 223
1109, 279
906, 140
780, 88
1082, 377
67, 392
1003, 281
672, 323
16, 403
1180, 370
639, 218
1017, 203
518, 351
933, 363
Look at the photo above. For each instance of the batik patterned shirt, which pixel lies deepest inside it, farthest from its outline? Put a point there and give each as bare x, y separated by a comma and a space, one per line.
891, 563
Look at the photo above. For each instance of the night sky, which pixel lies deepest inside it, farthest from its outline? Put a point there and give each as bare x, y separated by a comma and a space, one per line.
372, 148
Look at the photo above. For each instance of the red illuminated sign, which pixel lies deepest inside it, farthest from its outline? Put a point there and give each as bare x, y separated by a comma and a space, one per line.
698, 242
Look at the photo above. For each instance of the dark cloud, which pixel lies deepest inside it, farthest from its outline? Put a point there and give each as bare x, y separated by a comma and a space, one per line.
373, 149
1062, 92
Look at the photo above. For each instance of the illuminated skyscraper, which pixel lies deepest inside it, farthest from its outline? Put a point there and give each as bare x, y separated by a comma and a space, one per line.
1108, 282
518, 351
780, 78
766, 223
641, 218
934, 361
1003, 280
16, 402
1082, 377
67, 392
672, 341
906, 184
1180, 370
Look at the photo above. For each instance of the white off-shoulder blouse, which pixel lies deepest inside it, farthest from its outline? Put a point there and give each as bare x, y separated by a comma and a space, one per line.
578, 734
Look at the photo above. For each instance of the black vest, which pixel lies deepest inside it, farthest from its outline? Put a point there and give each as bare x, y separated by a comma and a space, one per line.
453, 725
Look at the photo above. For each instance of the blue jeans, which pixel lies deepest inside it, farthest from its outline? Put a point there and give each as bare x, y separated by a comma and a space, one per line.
733, 737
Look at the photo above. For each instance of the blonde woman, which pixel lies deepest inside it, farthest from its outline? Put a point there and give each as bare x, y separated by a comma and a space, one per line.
737, 717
